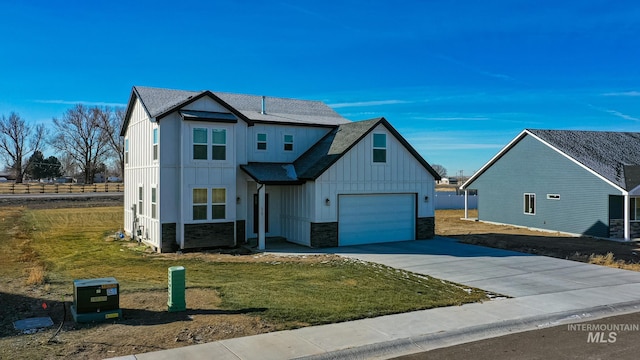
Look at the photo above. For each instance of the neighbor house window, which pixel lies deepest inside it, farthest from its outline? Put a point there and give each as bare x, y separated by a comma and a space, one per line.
262, 142
288, 143
380, 148
199, 204
140, 197
219, 147
199, 144
155, 144
154, 203
530, 203
553, 196
126, 151
634, 209
218, 203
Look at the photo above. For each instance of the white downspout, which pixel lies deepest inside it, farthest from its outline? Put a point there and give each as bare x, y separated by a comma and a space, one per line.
261, 217
627, 217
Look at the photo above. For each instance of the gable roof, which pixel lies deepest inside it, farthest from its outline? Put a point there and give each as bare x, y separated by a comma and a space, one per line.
159, 102
339, 141
613, 156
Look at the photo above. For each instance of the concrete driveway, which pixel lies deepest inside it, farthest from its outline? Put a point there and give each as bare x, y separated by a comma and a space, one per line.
505, 272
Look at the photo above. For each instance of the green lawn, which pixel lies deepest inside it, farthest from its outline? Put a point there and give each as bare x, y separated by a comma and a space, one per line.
71, 244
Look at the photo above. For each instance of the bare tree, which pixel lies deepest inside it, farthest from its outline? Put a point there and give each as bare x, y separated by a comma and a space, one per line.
440, 170
18, 140
80, 135
110, 124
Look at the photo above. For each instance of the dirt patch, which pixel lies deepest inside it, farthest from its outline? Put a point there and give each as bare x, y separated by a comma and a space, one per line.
584, 249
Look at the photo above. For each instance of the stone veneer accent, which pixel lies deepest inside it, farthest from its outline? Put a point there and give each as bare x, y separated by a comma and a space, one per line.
425, 228
168, 241
209, 235
616, 229
324, 234
241, 235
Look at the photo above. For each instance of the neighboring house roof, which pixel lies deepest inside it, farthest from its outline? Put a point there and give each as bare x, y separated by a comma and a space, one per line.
160, 102
615, 156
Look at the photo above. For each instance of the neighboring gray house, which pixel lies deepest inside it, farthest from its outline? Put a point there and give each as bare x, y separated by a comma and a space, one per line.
206, 169
576, 182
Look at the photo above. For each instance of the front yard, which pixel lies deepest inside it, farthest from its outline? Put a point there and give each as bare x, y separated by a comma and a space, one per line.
228, 295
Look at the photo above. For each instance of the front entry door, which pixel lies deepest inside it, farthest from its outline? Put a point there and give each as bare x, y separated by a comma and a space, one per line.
255, 213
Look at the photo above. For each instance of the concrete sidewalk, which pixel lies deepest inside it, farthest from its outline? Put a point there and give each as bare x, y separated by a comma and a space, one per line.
545, 292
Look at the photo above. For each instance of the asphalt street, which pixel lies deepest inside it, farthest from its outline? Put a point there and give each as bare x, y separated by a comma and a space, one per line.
568, 341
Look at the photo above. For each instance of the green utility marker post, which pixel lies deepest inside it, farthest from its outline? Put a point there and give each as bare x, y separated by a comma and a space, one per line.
177, 301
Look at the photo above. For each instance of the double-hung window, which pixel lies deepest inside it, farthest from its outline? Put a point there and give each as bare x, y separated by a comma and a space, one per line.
379, 148
262, 141
218, 203
200, 200
530, 203
140, 197
155, 144
288, 143
219, 144
154, 203
126, 151
200, 144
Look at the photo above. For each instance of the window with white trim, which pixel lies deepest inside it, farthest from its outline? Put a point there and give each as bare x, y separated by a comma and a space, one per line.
154, 203
530, 203
199, 202
126, 151
219, 144
261, 141
200, 144
553, 196
155, 144
140, 197
218, 203
379, 148
288, 143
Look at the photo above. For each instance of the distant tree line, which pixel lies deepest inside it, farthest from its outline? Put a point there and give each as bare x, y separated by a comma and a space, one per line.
85, 137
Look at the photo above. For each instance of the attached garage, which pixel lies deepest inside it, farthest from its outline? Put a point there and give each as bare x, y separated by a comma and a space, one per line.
376, 218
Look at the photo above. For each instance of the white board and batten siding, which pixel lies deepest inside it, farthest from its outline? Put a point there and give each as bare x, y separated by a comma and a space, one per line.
303, 138
140, 171
402, 177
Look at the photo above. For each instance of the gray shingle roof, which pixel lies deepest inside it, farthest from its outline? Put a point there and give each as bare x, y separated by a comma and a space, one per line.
157, 101
272, 173
613, 155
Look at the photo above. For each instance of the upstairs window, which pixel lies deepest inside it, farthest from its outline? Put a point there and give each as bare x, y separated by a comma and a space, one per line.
379, 148
219, 144
200, 144
288, 143
218, 203
155, 144
530, 203
126, 151
199, 202
262, 141
154, 203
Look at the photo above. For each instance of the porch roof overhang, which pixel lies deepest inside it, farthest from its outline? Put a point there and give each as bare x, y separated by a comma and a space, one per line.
272, 173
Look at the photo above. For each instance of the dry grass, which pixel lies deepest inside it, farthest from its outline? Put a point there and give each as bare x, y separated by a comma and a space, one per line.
610, 261
36, 276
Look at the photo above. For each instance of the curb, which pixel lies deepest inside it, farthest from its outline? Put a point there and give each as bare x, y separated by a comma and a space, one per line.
433, 341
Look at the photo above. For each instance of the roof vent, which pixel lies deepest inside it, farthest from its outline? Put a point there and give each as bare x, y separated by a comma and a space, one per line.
263, 111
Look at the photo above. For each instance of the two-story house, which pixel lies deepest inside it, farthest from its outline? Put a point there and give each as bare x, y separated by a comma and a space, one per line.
211, 169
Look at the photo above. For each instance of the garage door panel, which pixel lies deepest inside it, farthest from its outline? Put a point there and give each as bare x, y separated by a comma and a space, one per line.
366, 219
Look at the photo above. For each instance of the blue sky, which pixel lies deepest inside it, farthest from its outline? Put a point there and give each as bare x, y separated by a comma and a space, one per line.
459, 79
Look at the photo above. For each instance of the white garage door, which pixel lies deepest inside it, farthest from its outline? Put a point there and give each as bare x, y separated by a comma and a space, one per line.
375, 218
